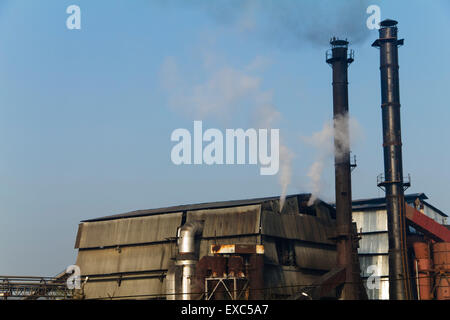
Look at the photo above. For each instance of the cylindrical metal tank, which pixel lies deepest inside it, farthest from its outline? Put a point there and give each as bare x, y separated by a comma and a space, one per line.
441, 259
423, 266
187, 278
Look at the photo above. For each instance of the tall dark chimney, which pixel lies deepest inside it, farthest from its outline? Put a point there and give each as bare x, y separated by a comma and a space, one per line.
399, 285
339, 58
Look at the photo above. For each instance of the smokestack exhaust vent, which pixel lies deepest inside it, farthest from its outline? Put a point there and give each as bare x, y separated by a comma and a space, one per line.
399, 285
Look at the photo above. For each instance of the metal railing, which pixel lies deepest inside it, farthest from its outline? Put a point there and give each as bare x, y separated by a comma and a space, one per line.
32, 288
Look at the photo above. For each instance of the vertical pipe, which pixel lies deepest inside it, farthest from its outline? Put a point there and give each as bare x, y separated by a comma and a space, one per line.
187, 258
417, 280
339, 59
399, 284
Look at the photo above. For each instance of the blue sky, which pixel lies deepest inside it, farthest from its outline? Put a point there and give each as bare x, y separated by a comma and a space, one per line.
86, 115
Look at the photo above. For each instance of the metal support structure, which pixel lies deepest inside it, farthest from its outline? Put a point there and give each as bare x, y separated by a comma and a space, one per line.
230, 284
32, 288
399, 284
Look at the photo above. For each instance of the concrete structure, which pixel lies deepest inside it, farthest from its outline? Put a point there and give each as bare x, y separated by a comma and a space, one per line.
370, 216
129, 255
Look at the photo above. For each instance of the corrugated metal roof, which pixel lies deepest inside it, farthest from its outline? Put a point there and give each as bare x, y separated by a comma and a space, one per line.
377, 203
200, 206
380, 203
435, 209
382, 200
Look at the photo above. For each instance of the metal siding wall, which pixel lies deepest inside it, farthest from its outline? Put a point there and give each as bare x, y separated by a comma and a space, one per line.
129, 231
295, 280
232, 225
228, 221
381, 263
111, 289
270, 251
374, 243
300, 227
290, 206
430, 212
129, 259
310, 257
323, 212
370, 220
381, 293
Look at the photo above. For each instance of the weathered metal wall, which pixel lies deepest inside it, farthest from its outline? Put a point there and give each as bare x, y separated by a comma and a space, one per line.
370, 220
284, 281
224, 222
373, 250
127, 247
125, 289
125, 259
130, 257
315, 257
128, 231
375, 271
306, 255
297, 227
374, 243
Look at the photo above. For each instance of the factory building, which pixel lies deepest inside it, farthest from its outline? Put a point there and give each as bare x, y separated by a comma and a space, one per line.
260, 252
252, 249
370, 216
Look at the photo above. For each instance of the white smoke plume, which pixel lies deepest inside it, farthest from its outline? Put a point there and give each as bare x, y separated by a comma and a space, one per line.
323, 142
267, 117
218, 96
285, 175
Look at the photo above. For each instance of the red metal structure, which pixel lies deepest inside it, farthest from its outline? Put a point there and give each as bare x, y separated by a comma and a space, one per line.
432, 266
426, 225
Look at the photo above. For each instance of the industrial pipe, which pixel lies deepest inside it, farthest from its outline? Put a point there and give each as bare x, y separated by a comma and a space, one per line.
186, 237
399, 284
180, 278
339, 58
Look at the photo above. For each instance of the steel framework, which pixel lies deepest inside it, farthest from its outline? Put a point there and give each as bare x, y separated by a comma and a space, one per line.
235, 287
33, 288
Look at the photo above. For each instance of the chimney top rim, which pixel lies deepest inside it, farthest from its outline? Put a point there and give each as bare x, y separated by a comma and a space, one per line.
388, 23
